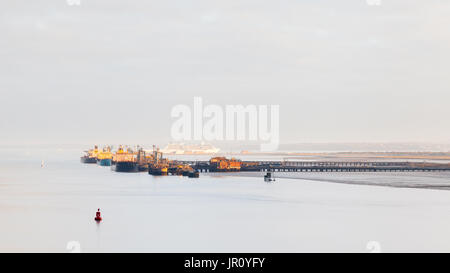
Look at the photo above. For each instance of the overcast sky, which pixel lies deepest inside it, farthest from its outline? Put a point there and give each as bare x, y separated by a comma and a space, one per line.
110, 71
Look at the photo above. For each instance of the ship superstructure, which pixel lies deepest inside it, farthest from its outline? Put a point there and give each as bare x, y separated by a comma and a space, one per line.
104, 158
90, 156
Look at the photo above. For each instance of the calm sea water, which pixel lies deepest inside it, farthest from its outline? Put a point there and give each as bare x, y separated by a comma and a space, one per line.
43, 209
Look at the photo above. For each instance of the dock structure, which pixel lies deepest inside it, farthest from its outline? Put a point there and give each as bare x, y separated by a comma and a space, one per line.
327, 166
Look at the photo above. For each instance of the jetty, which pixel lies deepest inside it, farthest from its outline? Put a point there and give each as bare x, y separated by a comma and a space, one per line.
321, 166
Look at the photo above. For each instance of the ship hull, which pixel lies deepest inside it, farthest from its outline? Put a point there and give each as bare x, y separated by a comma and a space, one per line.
194, 174
126, 167
88, 160
104, 162
156, 171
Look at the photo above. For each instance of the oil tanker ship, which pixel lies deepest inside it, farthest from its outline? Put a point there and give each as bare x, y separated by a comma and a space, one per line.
124, 161
159, 165
104, 158
158, 170
90, 156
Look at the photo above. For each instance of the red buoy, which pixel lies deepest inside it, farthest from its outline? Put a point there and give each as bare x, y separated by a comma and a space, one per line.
98, 216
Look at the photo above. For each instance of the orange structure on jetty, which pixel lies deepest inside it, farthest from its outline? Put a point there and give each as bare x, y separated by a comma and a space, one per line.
222, 164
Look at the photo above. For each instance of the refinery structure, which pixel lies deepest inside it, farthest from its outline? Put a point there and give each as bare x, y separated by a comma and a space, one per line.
190, 149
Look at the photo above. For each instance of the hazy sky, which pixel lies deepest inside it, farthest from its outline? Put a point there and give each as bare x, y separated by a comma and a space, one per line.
110, 71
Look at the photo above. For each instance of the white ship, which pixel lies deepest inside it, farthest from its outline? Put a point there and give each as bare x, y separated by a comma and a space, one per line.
183, 148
